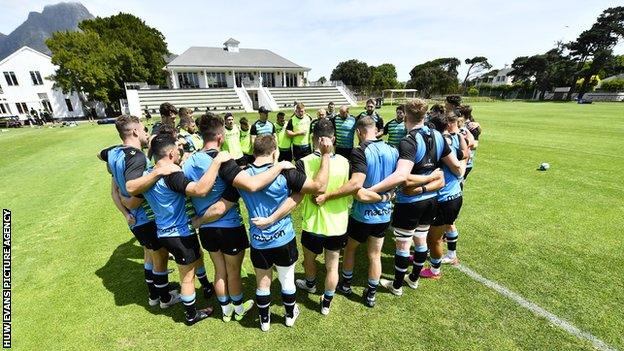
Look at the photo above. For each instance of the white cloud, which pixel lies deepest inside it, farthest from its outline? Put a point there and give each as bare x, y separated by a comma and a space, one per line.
319, 34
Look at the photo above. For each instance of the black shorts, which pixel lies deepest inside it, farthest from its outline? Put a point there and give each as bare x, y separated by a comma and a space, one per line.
447, 212
230, 241
408, 216
283, 256
360, 231
344, 152
300, 152
185, 249
146, 235
316, 243
285, 155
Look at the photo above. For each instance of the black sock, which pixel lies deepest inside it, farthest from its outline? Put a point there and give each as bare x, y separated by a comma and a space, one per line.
451, 238
201, 275
401, 262
372, 287
310, 283
347, 277
263, 302
149, 280
289, 303
419, 260
161, 282
189, 306
327, 298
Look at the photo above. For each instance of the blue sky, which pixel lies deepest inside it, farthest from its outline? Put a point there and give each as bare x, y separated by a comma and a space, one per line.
319, 34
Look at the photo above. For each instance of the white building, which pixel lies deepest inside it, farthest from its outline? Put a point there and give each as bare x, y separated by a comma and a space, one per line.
24, 85
233, 78
502, 77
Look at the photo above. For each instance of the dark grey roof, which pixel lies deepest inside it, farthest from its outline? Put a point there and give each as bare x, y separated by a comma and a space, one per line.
198, 56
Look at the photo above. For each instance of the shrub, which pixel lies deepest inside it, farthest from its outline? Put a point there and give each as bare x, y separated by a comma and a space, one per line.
613, 85
473, 91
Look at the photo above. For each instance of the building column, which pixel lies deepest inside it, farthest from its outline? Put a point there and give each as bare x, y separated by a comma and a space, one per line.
283, 79
205, 79
234, 79
174, 82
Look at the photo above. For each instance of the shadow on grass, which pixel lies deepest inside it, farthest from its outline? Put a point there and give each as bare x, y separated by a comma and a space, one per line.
124, 278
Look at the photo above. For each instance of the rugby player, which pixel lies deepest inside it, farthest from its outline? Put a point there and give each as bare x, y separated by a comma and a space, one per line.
262, 125
168, 114
395, 129
420, 153
324, 228
449, 199
370, 111
331, 112
127, 163
344, 125
298, 129
320, 114
167, 198
284, 142
371, 162
245, 141
275, 245
231, 140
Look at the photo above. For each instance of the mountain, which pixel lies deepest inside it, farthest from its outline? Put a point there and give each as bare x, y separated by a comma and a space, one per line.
40, 26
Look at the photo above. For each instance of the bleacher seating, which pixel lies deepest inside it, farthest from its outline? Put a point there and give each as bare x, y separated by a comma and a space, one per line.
198, 99
310, 96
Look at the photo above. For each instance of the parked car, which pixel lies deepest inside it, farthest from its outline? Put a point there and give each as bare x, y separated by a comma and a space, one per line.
10, 122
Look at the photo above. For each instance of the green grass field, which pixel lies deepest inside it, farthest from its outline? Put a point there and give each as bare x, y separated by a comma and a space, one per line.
553, 237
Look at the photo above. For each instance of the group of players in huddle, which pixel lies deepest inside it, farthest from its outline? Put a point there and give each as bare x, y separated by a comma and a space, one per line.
184, 196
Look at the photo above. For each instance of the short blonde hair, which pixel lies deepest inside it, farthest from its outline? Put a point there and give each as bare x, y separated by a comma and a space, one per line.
318, 113
300, 105
415, 110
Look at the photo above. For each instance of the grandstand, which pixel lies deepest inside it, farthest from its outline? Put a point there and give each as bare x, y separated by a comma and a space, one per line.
228, 78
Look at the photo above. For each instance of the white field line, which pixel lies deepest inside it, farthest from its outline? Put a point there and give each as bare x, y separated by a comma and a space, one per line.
537, 310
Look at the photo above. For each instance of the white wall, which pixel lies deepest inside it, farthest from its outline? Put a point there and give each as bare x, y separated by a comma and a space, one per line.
22, 62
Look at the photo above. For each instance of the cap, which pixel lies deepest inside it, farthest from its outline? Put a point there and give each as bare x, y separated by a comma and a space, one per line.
263, 109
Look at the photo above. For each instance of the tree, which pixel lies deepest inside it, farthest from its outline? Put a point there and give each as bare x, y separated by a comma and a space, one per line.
87, 64
478, 64
98, 60
322, 80
383, 77
130, 30
544, 71
435, 77
354, 73
596, 44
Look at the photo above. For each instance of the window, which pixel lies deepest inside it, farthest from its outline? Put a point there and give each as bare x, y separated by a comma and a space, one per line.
10, 77
268, 80
243, 78
216, 79
36, 78
188, 80
291, 79
70, 108
1, 91
21, 107
4, 109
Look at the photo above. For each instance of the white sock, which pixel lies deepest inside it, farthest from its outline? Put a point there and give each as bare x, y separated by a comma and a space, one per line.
451, 253
227, 309
239, 309
435, 270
